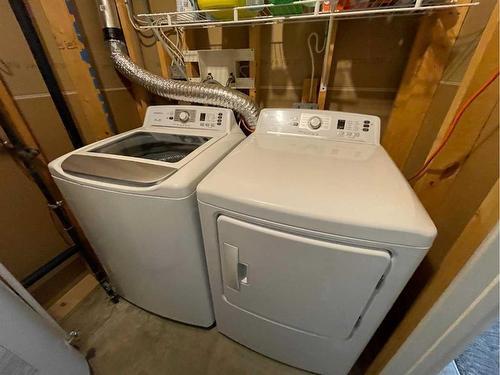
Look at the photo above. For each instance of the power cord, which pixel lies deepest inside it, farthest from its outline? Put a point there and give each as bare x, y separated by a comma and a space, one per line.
311, 54
453, 125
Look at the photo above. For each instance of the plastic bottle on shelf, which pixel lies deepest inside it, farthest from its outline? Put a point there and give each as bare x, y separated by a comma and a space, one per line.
225, 12
256, 2
282, 10
187, 6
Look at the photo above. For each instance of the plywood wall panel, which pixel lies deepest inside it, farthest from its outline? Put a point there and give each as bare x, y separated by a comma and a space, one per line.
372, 52
19, 69
89, 21
460, 56
435, 115
29, 238
476, 177
377, 104
467, 41
54, 285
285, 57
123, 106
40, 113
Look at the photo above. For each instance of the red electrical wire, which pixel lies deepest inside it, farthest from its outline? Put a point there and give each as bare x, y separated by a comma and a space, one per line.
453, 125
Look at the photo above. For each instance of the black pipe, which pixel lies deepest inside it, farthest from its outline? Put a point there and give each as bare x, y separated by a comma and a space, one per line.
23, 18
49, 266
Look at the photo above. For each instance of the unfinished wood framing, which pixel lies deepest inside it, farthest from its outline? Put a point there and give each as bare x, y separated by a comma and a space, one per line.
97, 123
433, 43
9, 109
165, 60
433, 185
479, 226
64, 305
11, 113
327, 63
254, 43
134, 51
188, 43
19, 125
460, 188
310, 94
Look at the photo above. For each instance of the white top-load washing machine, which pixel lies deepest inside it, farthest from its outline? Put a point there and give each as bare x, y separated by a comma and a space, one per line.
310, 234
134, 196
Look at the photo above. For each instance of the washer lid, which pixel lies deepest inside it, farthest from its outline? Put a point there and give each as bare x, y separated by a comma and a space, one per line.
333, 187
129, 171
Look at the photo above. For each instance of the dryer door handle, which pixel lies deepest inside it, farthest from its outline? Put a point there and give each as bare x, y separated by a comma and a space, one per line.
234, 273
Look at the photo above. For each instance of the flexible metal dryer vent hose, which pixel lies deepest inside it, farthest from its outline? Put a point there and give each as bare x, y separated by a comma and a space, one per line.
183, 90
169, 88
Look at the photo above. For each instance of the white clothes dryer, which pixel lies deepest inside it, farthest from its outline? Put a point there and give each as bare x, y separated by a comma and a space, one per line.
310, 234
134, 197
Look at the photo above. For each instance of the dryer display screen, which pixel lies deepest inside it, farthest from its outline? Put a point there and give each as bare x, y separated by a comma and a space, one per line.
169, 148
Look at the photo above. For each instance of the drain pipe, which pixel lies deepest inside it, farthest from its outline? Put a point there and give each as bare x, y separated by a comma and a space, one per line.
169, 88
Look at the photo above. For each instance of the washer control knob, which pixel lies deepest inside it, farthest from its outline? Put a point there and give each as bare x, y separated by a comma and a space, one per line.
184, 116
315, 122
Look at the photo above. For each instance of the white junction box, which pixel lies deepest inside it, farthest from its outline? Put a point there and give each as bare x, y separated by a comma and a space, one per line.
221, 64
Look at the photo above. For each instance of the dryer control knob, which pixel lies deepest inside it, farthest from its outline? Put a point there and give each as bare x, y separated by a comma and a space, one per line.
315, 122
184, 116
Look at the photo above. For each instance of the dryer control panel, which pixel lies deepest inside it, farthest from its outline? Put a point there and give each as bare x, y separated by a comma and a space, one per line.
339, 126
189, 117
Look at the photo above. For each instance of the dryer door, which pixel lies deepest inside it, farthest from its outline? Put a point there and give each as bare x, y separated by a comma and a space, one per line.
315, 286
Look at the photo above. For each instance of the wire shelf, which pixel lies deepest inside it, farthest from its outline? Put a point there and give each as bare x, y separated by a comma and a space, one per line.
296, 11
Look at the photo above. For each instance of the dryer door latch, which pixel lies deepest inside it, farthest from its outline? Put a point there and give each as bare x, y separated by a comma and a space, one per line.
234, 273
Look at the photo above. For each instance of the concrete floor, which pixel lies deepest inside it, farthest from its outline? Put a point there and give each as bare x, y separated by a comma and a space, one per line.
123, 339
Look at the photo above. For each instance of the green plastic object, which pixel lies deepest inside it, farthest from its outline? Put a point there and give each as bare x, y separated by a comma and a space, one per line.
284, 10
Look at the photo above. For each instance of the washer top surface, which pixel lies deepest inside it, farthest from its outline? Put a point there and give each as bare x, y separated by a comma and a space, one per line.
159, 158
293, 172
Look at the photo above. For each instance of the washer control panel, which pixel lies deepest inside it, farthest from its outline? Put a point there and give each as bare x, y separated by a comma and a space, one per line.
340, 126
190, 117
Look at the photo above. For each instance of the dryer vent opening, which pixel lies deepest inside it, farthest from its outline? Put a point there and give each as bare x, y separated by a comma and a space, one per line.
168, 88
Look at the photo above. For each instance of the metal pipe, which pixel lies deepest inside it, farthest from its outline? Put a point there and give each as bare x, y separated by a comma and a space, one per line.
23, 18
169, 88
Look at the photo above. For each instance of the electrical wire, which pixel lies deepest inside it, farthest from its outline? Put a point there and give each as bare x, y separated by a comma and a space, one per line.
134, 20
172, 49
311, 54
175, 47
177, 58
453, 125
